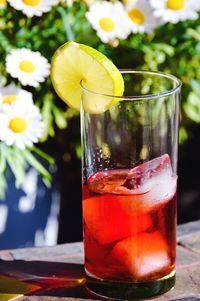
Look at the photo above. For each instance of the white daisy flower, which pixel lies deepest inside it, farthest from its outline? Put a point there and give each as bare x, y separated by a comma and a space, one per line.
3, 3
31, 68
109, 20
33, 7
140, 17
174, 11
12, 93
20, 125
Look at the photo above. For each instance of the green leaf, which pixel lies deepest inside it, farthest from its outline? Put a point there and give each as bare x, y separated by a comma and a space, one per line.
2, 158
3, 186
183, 135
192, 107
60, 118
195, 86
168, 49
65, 18
17, 165
43, 155
79, 151
38, 166
193, 33
47, 117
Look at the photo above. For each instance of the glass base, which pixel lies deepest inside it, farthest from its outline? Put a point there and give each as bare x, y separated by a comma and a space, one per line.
131, 291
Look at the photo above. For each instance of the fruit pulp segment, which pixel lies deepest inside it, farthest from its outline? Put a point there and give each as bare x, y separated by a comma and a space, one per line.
129, 238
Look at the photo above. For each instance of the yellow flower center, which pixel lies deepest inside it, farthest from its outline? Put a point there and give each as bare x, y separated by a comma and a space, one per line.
18, 125
32, 2
107, 24
2, 2
27, 66
175, 4
9, 99
136, 15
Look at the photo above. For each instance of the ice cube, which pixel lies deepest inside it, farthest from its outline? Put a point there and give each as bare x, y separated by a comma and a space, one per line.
151, 184
164, 187
110, 218
152, 263
141, 178
106, 181
142, 256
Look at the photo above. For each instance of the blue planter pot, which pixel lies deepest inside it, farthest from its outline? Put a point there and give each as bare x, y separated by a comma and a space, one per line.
29, 215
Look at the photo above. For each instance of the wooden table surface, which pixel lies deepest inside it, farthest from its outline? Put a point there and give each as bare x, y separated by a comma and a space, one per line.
56, 273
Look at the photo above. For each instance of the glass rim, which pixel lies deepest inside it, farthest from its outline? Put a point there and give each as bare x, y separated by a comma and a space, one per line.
145, 96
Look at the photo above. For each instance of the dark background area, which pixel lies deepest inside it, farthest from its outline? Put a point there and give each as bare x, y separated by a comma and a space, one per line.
189, 178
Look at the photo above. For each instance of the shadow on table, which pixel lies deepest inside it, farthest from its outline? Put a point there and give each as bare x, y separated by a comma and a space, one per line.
40, 278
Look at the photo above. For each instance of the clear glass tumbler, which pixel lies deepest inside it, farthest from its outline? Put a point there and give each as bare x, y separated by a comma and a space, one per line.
129, 186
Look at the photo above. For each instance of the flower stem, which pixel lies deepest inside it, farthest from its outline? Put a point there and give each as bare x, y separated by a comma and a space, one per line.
69, 32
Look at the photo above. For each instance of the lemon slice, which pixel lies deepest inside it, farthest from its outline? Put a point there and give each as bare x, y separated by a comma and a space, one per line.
73, 64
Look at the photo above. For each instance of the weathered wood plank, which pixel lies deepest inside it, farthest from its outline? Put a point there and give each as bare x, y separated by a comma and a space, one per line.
70, 250
75, 250
188, 229
191, 242
185, 257
6, 255
47, 298
59, 269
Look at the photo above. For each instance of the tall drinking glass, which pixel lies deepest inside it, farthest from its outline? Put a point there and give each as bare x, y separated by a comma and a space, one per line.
129, 186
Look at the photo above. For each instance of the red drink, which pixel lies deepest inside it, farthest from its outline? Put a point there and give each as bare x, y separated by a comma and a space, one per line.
130, 222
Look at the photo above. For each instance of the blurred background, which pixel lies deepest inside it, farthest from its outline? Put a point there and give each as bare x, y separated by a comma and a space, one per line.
40, 175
